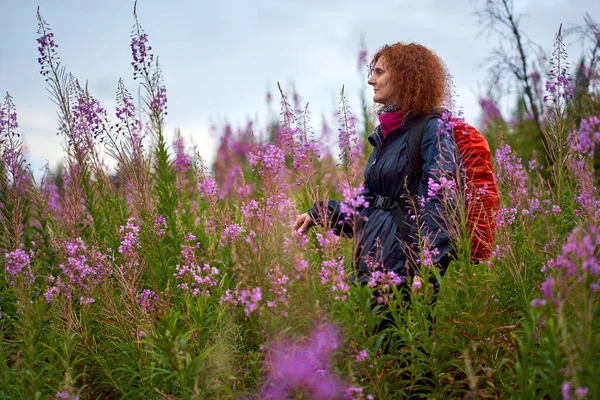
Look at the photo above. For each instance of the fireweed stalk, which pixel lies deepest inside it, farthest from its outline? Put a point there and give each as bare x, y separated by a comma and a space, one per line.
15, 183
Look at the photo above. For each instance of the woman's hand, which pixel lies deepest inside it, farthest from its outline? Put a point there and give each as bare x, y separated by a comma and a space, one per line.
303, 223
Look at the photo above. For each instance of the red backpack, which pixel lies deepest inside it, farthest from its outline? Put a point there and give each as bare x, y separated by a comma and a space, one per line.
481, 191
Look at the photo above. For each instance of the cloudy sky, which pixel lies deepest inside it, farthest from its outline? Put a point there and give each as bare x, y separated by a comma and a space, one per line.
221, 57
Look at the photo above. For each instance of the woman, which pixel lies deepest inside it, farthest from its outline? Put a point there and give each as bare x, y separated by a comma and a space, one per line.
411, 84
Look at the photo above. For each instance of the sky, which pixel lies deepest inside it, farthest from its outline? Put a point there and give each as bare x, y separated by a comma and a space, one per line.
220, 58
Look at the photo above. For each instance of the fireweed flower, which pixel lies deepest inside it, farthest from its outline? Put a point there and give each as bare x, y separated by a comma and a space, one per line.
559, 85
511, 174
278, 282
145, 68
576, 268
125, 111
48, 59
160, 225
353, 392
333, 273
130, 244
350, 146
230, 234
10, 146
304, 366
489, 110
270, 160
301, 265
148, 300
328, 241
18, 266
581, 392
361, 356
250, 299
182, 162
383, 282
566, 390
89, 120
353, 201
588, 136
82, 269
441, 188
50, 193
195, 278
208, 190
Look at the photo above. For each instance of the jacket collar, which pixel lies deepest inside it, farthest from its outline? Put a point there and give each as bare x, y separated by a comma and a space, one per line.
376, 138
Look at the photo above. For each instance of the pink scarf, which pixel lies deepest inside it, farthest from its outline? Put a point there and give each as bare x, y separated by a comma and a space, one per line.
390, 121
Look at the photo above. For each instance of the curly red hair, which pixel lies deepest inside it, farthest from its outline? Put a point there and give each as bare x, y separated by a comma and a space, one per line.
419, 78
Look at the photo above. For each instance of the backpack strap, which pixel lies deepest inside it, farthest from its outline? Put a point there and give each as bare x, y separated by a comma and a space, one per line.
413, 149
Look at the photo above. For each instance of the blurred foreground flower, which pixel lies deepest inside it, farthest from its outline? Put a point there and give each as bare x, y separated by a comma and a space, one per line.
304, 367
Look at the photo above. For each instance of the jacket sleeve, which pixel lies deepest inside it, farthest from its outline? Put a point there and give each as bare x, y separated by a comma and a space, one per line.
440, 170
330, 213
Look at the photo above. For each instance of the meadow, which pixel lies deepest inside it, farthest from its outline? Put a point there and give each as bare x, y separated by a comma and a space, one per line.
162, 277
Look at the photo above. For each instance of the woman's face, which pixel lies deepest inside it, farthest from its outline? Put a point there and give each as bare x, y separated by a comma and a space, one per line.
379, 80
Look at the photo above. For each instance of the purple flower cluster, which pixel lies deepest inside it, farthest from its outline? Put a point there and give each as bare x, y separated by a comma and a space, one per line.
353, 202
333, 273
142, 58
182, 161
148, 300
356, 393
559, 88
350, 146
159, 101
361, 61
208, 189
304, 367
66, 395
278, 282
125, 110
302, 158
18, 267
249, 298
511, 174
576, 268
588, 136
89, 121
10, 146
383, 281
567, 390
50, 192
269, 160
230, 233
489, 110
448, 122
81, 270
130, 243
327, 242
559, 85
8, 117
196, 278
441, 188
46, 47
160, 225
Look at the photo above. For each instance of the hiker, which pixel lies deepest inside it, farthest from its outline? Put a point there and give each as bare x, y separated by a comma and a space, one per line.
411, 85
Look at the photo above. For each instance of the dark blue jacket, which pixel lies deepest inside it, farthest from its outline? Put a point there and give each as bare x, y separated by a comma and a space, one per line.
385, 174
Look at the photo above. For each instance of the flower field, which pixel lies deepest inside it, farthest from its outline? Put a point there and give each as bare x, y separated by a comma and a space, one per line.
162, 277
